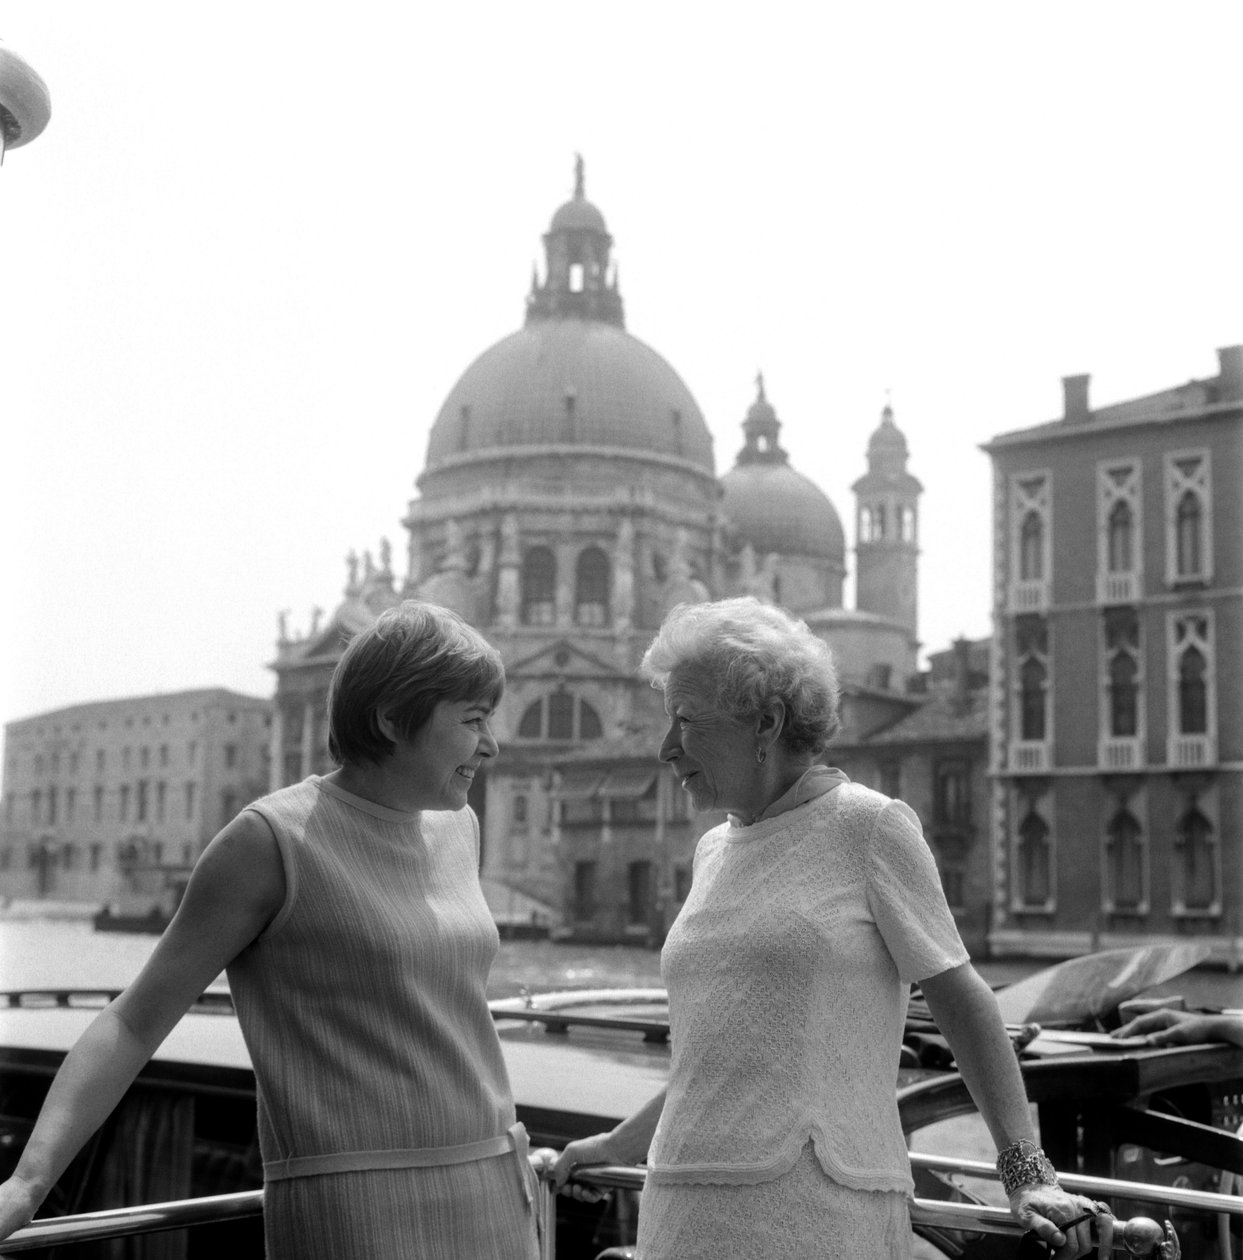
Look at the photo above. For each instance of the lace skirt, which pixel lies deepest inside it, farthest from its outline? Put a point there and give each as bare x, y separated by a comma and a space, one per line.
801, 1215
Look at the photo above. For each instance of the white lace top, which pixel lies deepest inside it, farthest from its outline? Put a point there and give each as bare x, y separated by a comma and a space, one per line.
788, 972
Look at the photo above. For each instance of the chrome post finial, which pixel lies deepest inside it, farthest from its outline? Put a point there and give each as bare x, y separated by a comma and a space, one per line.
25, 105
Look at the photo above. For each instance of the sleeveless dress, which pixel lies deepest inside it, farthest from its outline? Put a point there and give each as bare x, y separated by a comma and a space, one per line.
788, 972
386, 1121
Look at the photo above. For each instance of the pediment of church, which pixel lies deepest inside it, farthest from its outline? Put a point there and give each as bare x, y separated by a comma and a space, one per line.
564, 659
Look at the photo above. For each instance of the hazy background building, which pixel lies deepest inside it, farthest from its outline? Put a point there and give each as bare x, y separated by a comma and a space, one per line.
112, 802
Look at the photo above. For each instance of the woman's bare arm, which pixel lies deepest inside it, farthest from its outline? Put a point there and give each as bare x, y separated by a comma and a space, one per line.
236, 888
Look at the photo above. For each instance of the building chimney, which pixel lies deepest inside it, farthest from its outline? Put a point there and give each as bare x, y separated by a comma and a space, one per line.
1075, 392
1230, 378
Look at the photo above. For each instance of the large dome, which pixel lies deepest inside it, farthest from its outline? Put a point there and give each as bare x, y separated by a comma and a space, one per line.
571, 381
775, 508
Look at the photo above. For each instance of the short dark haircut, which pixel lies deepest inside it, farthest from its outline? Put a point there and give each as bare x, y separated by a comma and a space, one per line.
412, 658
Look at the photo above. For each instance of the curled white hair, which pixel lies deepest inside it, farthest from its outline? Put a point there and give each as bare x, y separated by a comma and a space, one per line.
749, 653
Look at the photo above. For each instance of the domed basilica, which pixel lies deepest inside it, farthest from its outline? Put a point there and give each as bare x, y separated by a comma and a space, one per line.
569, 499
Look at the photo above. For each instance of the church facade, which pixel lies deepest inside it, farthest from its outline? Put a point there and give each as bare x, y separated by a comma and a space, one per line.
569, 499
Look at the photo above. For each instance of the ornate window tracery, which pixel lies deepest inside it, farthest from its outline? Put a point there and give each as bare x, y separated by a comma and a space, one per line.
1125, 883
1195, 875
1188, 498
1031, 729
1192, 700
1030, 558
1033, 864
1119, 554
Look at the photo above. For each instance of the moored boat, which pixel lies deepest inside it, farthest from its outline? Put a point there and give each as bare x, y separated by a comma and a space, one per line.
1161, 1121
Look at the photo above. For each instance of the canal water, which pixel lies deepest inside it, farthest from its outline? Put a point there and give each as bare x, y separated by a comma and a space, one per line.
59, 954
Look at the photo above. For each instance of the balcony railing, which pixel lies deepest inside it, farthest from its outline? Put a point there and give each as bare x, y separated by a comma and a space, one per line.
977, 1218
1117, 588
1029, 597
1120, 753
1191, 752
1029, 756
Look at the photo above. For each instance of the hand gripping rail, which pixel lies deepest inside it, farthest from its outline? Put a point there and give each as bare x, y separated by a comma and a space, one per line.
189, 1213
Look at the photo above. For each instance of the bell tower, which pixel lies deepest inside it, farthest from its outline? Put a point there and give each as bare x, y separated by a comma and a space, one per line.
887, 529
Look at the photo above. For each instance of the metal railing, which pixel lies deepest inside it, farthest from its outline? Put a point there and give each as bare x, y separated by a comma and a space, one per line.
934, 1213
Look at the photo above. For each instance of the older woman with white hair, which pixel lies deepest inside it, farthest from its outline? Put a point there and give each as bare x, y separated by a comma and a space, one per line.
811, 911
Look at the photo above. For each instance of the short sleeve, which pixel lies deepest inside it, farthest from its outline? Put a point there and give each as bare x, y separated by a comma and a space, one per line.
905, 897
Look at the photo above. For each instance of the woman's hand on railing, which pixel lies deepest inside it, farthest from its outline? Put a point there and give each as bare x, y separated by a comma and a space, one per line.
18, 1204
598, 1149
1064, 1221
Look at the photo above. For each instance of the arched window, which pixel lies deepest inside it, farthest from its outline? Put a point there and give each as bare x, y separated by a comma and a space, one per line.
1031, 548
1031, 700
1122, 664
1188, 549
1196, 857
1124, 843
1034, 861
1123, 696
539, 587
591, 588
560, 716
908, 524
1120, 548
1192, 693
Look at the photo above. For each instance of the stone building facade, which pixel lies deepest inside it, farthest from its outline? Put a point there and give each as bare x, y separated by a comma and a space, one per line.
111, 803
933, 754
1117, 695
569, 499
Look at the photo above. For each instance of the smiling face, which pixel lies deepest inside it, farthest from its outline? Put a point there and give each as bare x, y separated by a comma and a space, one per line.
712, 754
439, 764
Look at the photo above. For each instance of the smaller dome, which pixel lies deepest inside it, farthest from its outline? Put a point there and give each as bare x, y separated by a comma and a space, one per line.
775, 508
578, 214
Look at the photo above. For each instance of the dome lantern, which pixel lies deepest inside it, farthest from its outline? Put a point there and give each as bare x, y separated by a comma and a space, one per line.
577, 277
760, 430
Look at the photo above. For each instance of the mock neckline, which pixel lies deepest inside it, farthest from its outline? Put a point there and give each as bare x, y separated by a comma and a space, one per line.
814, 783
366, 806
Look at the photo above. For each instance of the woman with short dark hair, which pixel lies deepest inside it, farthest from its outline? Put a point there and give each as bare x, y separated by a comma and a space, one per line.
810, 913
348, 914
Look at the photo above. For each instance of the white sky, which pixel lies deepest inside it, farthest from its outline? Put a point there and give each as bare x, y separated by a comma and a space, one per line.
259, 242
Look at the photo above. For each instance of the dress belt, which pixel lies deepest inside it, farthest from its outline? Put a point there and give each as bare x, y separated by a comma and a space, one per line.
513, 1139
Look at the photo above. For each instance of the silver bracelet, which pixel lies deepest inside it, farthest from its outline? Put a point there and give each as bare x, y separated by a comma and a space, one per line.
1023, 1163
